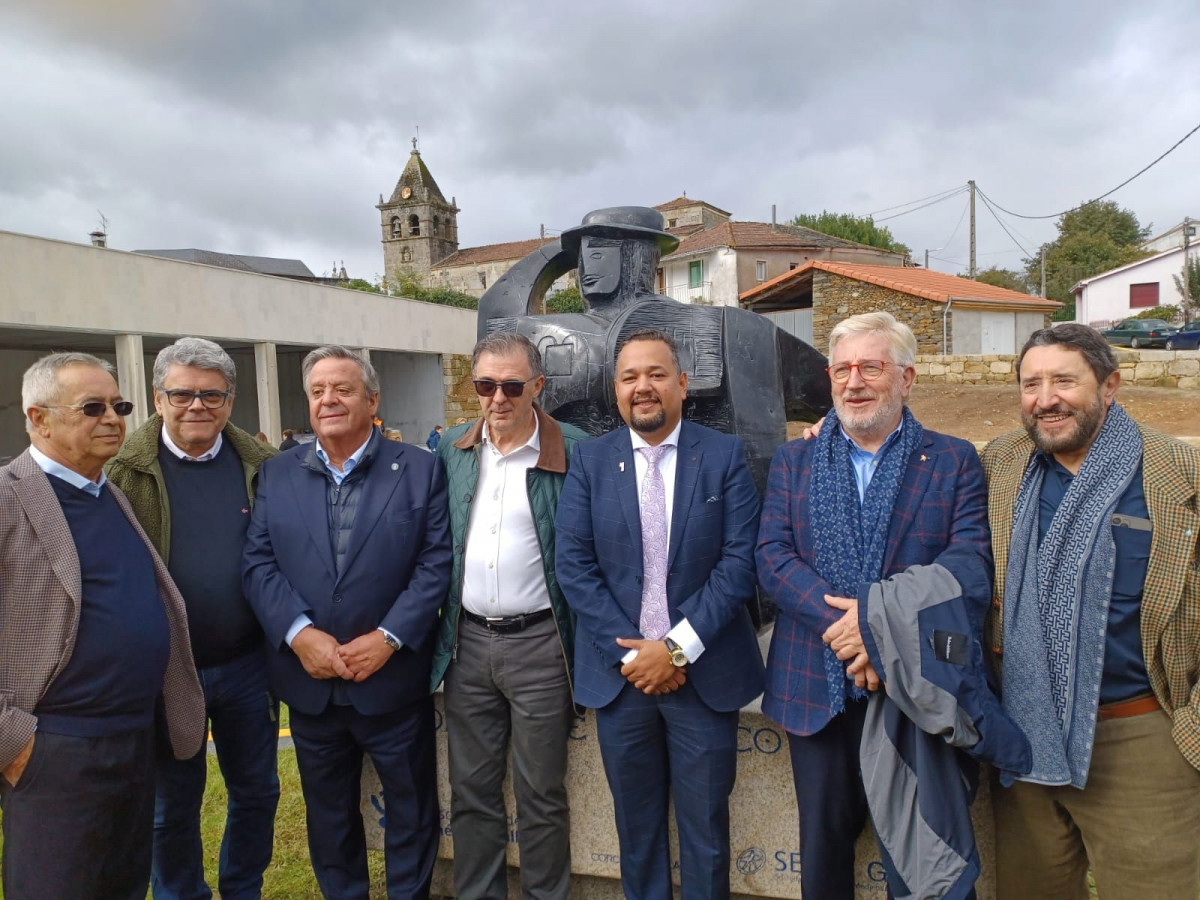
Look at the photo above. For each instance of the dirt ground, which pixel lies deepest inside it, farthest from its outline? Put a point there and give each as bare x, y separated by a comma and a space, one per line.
982, 412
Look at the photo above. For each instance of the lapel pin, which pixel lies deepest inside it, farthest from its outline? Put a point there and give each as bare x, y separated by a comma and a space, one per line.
395, 466
924, 457
621, 466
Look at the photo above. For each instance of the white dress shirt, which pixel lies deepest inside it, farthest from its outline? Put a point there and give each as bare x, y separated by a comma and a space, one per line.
210, 453
683, 634
503, 570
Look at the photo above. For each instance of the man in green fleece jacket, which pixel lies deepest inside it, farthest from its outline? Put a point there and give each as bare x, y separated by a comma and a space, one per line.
189, 474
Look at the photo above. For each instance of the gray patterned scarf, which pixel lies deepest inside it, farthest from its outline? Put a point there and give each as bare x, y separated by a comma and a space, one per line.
1056, 599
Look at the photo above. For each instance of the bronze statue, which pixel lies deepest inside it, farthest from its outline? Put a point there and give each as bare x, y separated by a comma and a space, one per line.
745, 375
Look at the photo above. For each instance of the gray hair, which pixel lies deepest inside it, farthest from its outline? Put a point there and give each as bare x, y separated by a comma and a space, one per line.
196, 353
337, 351
505, 343
39, 384
902, 343
1073, 336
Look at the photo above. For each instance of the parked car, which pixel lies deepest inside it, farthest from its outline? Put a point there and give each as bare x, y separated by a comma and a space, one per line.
1186, 338
1137, 333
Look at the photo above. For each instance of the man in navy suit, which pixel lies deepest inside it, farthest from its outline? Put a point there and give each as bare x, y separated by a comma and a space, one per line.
347, 561
656, 527
872, 495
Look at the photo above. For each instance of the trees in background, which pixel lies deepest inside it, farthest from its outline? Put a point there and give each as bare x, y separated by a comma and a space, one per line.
861, 229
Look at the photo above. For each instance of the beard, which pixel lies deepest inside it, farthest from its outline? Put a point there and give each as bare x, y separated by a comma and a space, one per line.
648, 423
868, 423
1088, 420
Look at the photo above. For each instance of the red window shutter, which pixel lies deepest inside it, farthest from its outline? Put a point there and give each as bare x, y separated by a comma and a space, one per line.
1142, 296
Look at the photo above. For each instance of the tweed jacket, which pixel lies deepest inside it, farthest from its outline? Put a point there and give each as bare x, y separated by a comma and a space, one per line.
40, 595
1171, 597
137, 472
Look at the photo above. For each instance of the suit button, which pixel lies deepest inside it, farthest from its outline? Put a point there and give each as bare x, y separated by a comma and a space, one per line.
337, 598
467, 498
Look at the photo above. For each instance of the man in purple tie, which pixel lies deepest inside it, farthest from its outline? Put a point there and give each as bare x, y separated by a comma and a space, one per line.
656, 528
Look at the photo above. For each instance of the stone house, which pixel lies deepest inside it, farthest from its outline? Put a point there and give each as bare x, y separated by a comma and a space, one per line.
948, 314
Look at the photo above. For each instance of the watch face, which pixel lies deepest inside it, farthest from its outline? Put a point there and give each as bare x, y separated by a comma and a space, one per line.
406, 193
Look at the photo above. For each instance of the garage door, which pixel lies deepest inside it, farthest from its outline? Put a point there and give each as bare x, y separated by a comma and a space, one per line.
997, 332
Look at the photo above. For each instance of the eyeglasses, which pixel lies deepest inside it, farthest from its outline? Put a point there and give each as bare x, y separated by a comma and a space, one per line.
869, 369
96, 408
486, 387
209, 399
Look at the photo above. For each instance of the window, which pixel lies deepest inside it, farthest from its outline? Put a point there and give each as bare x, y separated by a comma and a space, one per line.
760, 269
1143, 295
397, 228
672, 222
437, 226
405, 254
695, 273
414, 225
793, 266
483, 279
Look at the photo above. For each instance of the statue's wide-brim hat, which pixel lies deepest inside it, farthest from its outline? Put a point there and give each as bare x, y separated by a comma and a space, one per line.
621, 222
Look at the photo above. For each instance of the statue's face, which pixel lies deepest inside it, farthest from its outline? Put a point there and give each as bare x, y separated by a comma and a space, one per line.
599, 268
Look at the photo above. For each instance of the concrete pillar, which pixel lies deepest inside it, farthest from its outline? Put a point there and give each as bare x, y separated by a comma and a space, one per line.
131, 378
266, 370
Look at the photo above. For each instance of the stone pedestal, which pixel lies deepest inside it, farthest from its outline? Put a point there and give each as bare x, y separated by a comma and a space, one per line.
764, 830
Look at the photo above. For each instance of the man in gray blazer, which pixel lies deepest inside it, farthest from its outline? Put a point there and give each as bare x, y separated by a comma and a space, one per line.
94, 651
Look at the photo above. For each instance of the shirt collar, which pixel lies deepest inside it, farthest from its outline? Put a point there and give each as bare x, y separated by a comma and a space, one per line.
70, 476
671, 440
208, 454
354, 460
534, 442
891, 439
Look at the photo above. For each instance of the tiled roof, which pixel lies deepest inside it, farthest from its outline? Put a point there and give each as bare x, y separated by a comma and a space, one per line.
264, 265
758, 236
935, 286
474, 256
684, 201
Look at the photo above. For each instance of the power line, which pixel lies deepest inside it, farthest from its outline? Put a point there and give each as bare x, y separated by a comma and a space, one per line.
988, 204
961, 190
946, 242
920, 200
1140, 172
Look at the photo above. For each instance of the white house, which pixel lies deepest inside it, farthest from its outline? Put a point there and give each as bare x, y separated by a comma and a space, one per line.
1104, 299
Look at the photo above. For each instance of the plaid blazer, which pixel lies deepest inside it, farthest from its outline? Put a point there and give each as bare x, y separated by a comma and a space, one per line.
940, 516
40, 595
1171, 596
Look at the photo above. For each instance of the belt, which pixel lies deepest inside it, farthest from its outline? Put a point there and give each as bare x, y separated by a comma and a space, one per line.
509, 624
1123, 709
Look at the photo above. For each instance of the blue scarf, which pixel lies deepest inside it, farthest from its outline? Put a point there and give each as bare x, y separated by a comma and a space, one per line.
1056, 599
849, 537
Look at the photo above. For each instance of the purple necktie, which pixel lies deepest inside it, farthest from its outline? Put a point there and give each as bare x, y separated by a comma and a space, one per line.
655, 621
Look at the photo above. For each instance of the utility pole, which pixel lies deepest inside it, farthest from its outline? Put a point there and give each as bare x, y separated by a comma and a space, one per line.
1043, 294
927, 259
1187, 269
971, 273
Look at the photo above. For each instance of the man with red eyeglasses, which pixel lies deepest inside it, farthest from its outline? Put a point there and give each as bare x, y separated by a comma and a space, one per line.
871, 496
506, 633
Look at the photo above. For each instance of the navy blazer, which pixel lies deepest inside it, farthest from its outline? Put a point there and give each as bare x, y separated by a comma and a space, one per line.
710, 558
395, 575
940, 516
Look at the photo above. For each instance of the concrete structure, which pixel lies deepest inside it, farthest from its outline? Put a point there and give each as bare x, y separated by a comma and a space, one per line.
764, 829
1103, 300
1172, 237
1142, 368
125, 307
947, 313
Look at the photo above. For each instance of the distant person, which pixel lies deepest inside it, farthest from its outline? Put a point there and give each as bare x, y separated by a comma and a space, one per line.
262, 438
189, 474
434, 438
289, 440
1096, 630
347, 562
95, 637
655, 554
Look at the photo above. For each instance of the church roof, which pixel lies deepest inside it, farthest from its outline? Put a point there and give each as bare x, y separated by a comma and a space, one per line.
475, 256
416, 175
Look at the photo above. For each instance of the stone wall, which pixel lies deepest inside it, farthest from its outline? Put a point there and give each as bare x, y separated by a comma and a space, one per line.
1145, 368
836, 297
461, 399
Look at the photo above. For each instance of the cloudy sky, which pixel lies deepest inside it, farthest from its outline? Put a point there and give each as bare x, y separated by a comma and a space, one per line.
271, 127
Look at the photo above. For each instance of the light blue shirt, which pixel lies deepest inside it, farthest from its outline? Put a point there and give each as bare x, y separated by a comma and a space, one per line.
865, 462
70, 476
348, 466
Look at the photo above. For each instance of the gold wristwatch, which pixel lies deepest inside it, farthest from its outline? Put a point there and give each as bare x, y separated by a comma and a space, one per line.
678, 657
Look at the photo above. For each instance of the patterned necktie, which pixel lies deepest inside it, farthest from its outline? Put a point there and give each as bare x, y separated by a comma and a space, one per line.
654, 622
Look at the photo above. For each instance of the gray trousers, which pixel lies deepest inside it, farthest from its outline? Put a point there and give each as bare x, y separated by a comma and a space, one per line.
502, 689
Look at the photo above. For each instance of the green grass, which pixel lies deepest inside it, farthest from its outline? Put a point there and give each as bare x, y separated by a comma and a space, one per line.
290, 874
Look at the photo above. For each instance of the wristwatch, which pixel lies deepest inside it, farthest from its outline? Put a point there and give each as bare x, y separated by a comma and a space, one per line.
390, 641
678, 657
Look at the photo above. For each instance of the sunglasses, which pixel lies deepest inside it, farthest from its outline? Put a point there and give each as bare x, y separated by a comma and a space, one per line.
96, 408
486, 387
